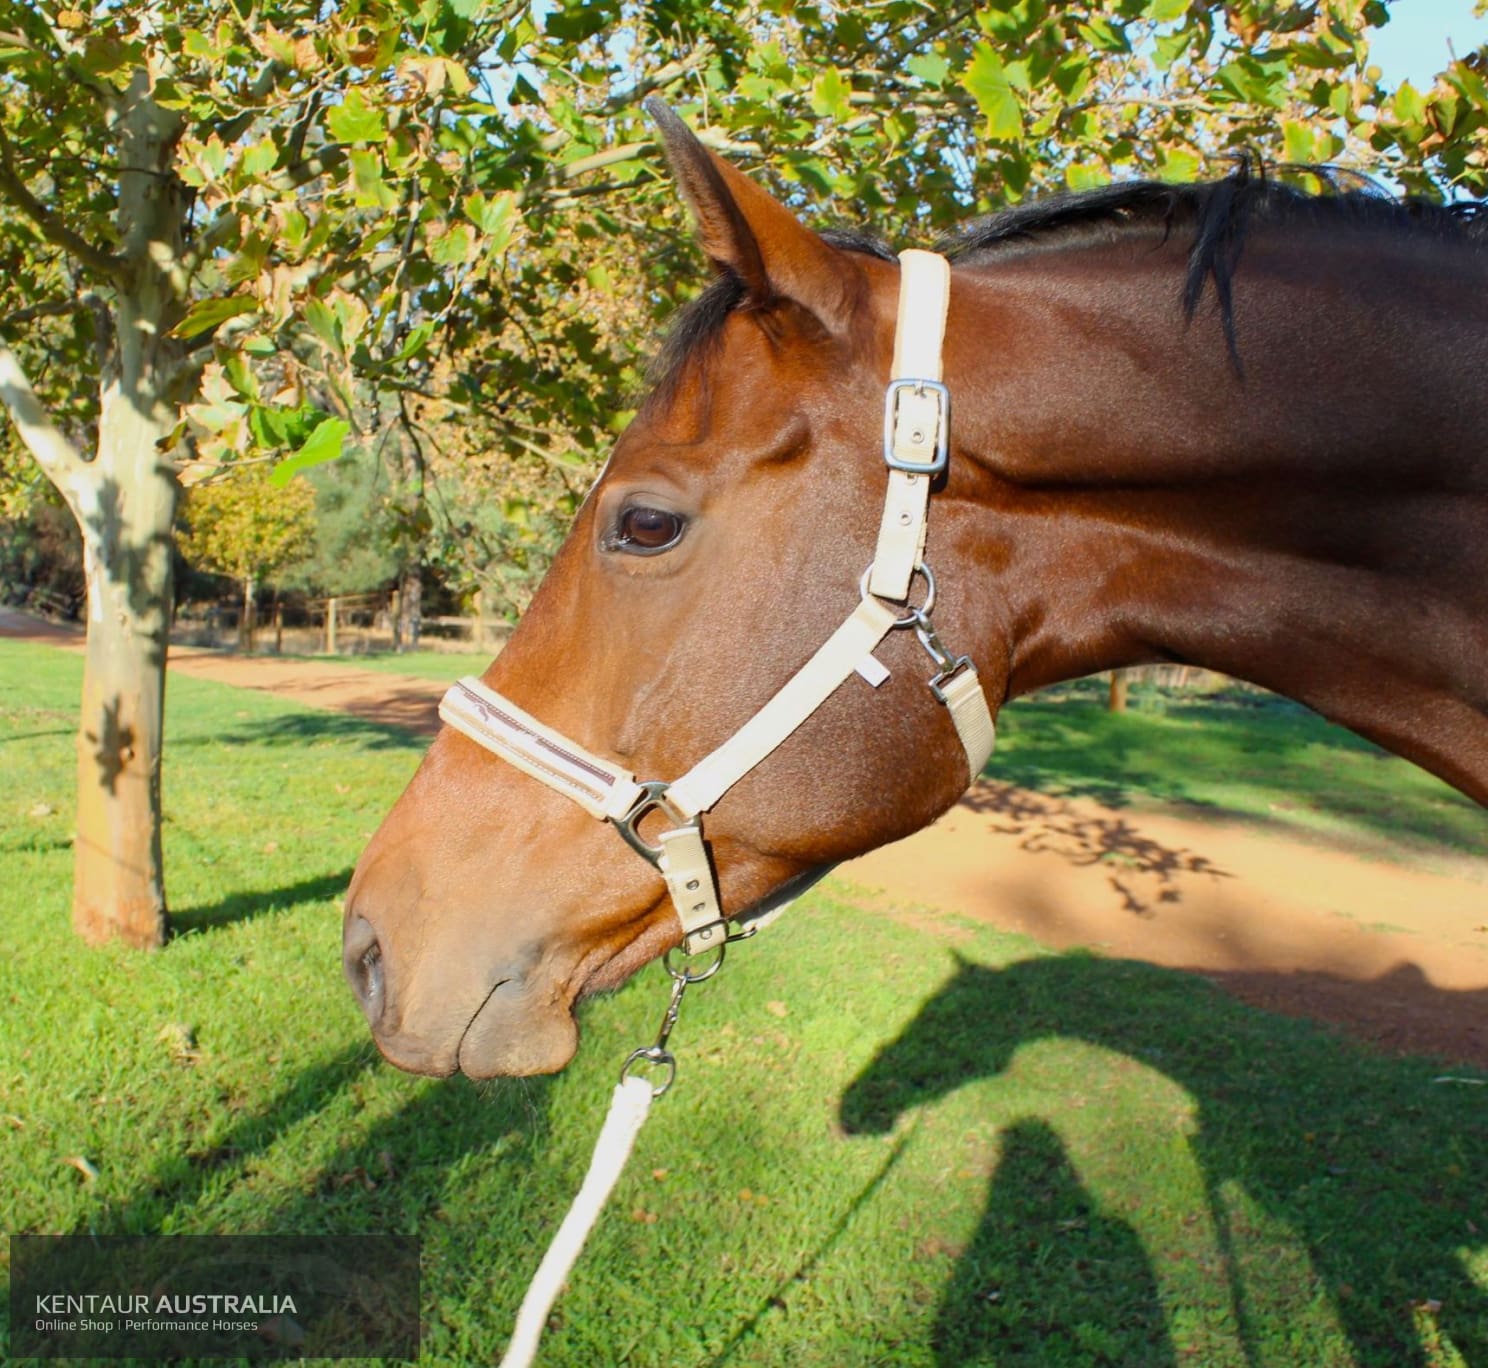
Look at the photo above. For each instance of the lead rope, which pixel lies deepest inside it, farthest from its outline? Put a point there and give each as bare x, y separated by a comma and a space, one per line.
630, 1104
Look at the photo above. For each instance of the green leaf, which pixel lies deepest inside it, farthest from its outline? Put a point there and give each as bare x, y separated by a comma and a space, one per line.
829, 94
207, 314
1408, 105
322, 445
987, 82
417, 339
1178, 163
259, 158
1166, 11
1080, 176
355, 120
454, 248
370, 191
930, 67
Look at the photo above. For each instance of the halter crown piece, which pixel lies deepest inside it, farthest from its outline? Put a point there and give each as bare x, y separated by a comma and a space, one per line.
916, 429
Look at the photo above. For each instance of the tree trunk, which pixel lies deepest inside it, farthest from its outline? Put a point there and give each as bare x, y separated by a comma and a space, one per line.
119, 882
245, 617
125, 501
410, 609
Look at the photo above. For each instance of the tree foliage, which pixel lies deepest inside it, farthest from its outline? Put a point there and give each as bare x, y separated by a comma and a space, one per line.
247, 527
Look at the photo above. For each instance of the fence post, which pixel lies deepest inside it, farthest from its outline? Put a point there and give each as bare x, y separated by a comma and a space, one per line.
330, 635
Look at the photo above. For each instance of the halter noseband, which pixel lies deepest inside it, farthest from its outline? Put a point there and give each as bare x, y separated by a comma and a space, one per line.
916, 448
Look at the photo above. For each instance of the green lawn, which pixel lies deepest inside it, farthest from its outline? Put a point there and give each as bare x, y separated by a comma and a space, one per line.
438, 665
886, 1147
1237, 755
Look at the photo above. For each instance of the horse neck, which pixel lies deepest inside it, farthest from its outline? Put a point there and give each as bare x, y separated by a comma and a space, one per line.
1306, 516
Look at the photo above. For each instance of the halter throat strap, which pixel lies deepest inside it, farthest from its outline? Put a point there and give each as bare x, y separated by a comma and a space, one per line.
916, 451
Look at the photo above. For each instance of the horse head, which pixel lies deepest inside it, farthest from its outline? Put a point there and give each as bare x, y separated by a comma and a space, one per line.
726, 539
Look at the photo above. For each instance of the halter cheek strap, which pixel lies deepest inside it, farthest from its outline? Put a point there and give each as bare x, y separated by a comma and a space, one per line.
916, 446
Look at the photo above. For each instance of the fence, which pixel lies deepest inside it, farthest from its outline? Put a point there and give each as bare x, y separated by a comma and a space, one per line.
343, 624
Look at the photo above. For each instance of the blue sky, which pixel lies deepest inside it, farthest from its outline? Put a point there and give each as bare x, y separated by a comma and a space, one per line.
1413, 45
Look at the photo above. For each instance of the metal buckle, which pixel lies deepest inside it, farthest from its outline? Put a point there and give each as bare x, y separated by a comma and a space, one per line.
653, 799
939, 461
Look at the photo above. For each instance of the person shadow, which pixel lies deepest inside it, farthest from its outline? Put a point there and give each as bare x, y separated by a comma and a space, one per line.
1043, 1231
1307, 1160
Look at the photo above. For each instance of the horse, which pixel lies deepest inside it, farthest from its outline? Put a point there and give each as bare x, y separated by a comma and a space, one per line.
1227, 424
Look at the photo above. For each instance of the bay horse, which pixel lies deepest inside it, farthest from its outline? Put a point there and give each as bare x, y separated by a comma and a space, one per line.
1225, 424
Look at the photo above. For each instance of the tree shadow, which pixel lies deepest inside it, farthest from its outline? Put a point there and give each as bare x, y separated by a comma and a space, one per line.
1063, 743
1374, 1168
1043, 823
407, 1174
245, 905
302, 727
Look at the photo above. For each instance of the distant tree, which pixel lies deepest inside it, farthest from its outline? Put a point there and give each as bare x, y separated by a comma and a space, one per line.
247, 527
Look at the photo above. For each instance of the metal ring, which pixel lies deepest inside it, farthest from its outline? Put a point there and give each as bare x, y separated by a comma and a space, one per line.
652, 799
687, 975
914, 615
657, 1058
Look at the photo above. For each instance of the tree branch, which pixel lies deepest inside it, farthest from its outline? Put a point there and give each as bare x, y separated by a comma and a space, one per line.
54, 453
56, 308
268, 77
52, 228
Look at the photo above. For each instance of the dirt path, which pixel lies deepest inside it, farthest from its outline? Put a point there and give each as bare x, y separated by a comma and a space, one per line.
1394, 953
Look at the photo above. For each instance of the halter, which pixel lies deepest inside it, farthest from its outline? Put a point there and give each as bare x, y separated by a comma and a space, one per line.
916, 449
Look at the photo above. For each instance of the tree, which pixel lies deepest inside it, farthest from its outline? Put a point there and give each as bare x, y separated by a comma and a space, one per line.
236, 232
249, 528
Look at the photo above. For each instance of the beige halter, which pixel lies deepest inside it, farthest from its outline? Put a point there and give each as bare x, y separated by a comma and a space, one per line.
916, 447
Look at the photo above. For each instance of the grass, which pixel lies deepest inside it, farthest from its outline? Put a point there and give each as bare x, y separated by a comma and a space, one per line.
1237, 755
886, 1147
445, 666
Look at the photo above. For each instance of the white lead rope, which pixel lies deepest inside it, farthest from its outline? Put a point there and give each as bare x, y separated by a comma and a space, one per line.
629, 1105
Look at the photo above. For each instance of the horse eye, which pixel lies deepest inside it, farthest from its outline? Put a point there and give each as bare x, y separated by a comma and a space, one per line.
645, 530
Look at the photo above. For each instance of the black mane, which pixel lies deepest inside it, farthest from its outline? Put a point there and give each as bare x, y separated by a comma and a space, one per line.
1218, 213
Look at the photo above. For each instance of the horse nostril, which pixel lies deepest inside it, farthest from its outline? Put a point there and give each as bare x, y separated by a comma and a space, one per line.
362, 959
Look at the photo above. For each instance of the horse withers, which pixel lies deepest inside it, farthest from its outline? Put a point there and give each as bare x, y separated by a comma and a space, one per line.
1224, 424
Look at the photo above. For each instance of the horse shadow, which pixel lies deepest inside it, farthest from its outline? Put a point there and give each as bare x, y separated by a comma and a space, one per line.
1372, 1167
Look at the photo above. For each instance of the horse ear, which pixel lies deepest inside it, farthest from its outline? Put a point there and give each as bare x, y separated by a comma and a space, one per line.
747, 231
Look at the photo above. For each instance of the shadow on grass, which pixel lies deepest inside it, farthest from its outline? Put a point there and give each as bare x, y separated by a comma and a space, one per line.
244, 906
1252, 756
402, 1175
307, 726
38, 735
1373, 1169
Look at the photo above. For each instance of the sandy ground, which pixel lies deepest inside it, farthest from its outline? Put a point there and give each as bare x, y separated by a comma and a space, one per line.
1378, 943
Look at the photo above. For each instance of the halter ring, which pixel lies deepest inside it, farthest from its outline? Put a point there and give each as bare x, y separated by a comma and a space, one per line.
915, 615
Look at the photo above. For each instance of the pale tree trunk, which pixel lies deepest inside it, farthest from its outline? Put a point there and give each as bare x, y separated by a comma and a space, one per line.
119, 881
246, 616
125, 501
